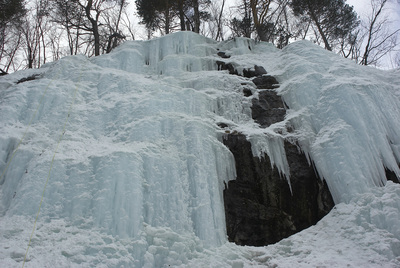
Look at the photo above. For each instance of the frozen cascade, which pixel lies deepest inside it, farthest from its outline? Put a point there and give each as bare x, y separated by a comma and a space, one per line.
138, 153
348, 126
138, 176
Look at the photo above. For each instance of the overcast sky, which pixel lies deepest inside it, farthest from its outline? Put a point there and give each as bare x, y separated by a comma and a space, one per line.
363, 7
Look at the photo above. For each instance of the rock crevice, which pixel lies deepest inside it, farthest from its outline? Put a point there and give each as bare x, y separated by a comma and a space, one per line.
260, 208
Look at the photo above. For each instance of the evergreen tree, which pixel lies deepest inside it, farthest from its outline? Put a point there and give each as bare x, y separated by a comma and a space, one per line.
196, 13
242, 26
11, 14
155, 13
163, 14
334, 19
11, 10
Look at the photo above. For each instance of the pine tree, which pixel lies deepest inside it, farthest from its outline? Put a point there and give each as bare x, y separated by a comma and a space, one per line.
11, 10
242, 26
11, 14
162, 14
155, 13
333, 19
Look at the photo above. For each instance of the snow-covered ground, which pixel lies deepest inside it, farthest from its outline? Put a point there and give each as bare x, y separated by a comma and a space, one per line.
117, 161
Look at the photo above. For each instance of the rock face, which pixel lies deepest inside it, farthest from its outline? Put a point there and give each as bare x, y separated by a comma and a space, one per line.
260, 208
266, 82
268, 108
391, 176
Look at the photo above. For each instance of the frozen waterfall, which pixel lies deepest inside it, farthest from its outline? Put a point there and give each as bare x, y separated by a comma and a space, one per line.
130, 145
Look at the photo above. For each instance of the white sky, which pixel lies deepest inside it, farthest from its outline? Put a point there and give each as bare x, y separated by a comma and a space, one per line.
363, 7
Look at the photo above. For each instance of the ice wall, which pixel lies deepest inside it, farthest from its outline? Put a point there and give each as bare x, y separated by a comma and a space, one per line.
140, 156
185, 52
347, 117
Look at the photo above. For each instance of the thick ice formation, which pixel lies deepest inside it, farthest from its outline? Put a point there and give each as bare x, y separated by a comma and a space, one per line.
349, 118
135, 165
136, 151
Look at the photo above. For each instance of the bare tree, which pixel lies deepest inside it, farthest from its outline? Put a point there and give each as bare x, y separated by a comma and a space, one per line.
260, 10
349, 47
283, 25
9, 49
55, 42
113, 19
85, 20
378, 39
68, 14
128, 25
93, 11
33, 30
215, 23
270, 19
220, 34
242, 26
88, 26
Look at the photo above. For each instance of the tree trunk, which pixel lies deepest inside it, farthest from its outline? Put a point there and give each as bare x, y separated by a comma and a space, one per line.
321, 32
119, 15
196, 16
30, 58
95, 28
96, 36
2, 72
367, 50
13, 53
219, 22
167, 18
70, 40
181, 15
262, 33
247, 18
260, 28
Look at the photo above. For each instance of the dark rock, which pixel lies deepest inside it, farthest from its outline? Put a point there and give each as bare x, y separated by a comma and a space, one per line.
259, 206
268, 108
222, 125
391, 176
226, 66
247, 92
259, 70
266, 82
249, 73
223, 55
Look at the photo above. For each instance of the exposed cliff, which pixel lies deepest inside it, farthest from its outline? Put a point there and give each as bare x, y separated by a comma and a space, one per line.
261, 206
